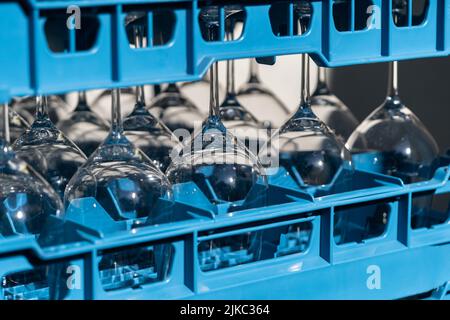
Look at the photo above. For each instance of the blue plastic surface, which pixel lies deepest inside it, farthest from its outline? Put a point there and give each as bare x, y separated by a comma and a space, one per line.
30, 67
309, 251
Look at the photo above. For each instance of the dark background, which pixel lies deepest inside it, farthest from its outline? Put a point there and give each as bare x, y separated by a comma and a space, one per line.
424, 87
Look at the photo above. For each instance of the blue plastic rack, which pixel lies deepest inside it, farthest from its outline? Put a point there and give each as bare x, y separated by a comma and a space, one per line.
36, 59
315, 247
363, 238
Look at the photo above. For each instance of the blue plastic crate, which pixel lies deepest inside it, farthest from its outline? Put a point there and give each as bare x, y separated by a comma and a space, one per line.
356, 239
313, 248
36, 59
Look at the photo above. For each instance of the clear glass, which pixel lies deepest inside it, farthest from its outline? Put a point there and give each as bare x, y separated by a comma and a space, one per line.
330, 109
143, 129
84, 127
408, 150
121, 178
306, 148
57, 108
394, 130
128, 186
213, 159
27, 199
215, 164
47, 150
260, 101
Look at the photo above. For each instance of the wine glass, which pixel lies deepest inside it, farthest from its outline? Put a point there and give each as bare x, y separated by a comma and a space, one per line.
408, 150
102, 103
43, 146
214, 154
120, 177
26, 107
84, 127
215, 165
260, 101
330, 109
144, 130
233, 115
308, 151
27, 199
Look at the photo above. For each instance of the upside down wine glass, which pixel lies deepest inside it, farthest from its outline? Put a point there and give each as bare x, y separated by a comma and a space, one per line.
330, 109
43, 146
308, 150
408, 150
144, 130
120, 177
26, 199
84, 127
222, 167
216, 164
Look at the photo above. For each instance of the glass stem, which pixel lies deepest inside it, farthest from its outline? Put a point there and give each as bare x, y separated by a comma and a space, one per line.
82, 97
214, 81
140, 96
82, 102
231, 89
116, 125
305, 85
6, 135
214, 90
41, 108
393, 79
254, 71
139, 43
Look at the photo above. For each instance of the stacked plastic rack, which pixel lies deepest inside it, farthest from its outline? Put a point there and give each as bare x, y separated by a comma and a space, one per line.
356, 240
